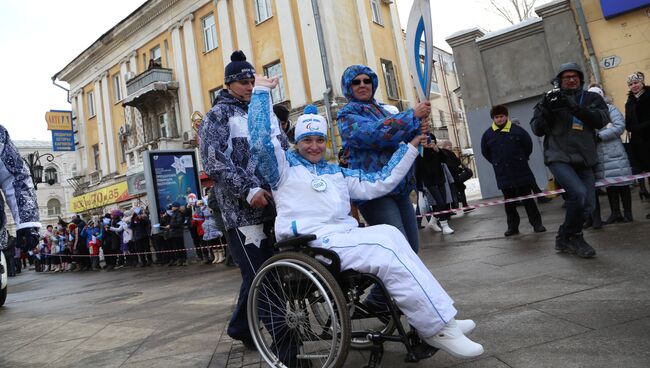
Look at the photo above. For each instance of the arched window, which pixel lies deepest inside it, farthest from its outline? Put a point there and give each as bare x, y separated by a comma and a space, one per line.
53, 207
51, 176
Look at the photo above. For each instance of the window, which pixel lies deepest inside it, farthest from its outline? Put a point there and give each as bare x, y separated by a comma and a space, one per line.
73, 170
443, 123
91, 104
164, 125
51, 176
154, 54
214, 93
117, 88
275, 70
389, 78
96, 156
262, 10
209, 33
53, 207
376, 12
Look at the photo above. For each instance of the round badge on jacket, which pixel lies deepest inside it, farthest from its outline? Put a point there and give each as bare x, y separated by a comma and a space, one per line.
318, 185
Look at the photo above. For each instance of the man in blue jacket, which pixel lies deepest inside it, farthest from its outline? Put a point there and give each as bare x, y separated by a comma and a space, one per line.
507, 147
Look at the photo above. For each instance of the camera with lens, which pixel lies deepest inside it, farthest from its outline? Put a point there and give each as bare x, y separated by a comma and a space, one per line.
554, 98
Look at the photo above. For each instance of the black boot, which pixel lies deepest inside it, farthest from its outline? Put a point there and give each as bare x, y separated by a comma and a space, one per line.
614, 204
561, 243
626, 198
579, 246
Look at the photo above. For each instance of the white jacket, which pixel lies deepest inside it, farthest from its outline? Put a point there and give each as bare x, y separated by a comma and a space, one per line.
301, 209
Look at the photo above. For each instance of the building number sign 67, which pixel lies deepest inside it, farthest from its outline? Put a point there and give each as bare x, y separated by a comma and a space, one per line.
609, 62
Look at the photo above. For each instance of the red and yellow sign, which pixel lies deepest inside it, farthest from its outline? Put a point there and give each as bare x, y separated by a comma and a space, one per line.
101, 197
58, 120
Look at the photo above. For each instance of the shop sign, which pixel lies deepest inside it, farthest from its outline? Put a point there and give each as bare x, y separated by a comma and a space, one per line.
101, 197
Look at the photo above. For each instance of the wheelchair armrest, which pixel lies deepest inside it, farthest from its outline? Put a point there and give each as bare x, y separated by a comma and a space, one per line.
295, 242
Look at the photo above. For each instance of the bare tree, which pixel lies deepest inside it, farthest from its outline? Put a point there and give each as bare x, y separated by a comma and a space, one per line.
514, 11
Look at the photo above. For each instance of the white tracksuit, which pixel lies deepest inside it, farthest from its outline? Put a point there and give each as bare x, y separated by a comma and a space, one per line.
381, 250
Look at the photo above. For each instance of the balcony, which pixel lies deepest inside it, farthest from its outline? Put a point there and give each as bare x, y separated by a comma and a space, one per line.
148, 78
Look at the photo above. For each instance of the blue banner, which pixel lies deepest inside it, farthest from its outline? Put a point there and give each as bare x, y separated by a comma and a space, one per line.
175, 176
62, 140
612, 8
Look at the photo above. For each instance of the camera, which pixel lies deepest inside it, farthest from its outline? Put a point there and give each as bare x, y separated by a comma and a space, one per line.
554, 98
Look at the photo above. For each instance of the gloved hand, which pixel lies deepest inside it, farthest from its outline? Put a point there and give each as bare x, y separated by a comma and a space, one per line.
27, 238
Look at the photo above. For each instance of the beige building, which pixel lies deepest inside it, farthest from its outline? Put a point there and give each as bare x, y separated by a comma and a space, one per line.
619, 32
54, 191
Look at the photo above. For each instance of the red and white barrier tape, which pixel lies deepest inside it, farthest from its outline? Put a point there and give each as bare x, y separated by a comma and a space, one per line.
134, 253
600, 183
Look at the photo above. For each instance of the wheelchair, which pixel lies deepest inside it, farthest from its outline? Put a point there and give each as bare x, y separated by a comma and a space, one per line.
301, 299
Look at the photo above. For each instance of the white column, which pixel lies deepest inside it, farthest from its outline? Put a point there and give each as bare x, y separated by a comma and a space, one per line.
225, 42
290, 51
179, 68
133, 63
108, 125
331, 38
78, 107
313, 61
101, 133
123, 73
405, 75
194, 80
243, 36
366, 38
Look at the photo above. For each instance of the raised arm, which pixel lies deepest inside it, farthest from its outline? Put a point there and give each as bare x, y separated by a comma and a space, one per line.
266, 150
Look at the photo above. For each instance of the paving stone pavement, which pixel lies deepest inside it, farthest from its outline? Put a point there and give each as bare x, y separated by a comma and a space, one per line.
533, 308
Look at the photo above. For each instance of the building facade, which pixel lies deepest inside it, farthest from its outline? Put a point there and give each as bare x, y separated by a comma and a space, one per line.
137, 87
447, 110
609, 39
54, 192
620, 41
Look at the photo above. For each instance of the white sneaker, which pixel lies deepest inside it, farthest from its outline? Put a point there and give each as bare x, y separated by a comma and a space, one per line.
452, 340
466, 325
445, 228
433, 224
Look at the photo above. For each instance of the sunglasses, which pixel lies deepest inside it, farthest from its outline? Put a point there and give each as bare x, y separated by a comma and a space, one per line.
356, 82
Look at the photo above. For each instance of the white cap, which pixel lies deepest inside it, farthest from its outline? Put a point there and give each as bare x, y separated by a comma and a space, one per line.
310, 124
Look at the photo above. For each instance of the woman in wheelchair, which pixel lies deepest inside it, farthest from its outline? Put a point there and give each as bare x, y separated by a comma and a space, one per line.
313, 197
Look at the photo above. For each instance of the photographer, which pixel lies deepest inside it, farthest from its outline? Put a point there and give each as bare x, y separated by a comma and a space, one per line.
568, 118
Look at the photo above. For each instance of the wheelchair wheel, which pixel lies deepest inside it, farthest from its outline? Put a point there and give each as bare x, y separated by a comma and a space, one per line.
286, 327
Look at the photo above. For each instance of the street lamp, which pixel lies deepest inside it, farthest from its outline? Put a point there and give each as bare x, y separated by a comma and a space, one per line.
33, 161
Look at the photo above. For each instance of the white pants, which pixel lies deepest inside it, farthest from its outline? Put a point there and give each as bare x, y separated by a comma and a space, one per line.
383, 251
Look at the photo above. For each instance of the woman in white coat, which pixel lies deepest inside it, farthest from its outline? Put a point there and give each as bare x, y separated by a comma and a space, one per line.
313, 197
613, 162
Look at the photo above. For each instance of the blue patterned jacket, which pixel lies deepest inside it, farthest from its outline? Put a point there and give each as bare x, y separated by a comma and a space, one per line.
17, 187
223, 143
314, 198
370, 133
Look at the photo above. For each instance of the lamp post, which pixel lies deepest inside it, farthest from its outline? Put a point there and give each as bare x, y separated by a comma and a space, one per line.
33, 161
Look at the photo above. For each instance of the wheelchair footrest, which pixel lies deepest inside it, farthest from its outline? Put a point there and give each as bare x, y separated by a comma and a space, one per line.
421, 351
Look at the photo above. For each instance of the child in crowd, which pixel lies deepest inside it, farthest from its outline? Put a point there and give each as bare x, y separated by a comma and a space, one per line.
212, 235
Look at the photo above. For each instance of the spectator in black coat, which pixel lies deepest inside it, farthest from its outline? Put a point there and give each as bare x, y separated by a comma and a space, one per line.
507, 147
140, 225
176, 227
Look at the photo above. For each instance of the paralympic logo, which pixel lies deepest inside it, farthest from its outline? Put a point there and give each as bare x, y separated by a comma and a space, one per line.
311, 127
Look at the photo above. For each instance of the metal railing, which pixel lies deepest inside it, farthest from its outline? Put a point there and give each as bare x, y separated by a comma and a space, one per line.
150, 76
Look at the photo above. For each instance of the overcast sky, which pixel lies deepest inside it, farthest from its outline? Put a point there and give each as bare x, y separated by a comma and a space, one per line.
38, 38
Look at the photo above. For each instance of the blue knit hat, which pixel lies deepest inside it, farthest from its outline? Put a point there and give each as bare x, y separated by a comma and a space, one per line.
238, 68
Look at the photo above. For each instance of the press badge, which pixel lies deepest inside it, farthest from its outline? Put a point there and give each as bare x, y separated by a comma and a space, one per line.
577, 124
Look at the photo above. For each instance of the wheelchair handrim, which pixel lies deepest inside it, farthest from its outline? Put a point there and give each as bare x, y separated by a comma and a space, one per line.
253, 313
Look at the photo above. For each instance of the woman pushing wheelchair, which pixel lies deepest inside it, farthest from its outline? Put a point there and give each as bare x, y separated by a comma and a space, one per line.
313, 196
